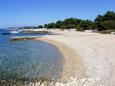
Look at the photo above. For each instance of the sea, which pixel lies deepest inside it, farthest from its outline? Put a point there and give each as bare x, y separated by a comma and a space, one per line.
29, 60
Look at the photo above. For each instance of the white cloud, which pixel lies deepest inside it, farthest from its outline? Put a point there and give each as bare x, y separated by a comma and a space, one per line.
30, 17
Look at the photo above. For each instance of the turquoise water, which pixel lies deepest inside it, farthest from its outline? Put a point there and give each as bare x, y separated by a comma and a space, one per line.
29, 59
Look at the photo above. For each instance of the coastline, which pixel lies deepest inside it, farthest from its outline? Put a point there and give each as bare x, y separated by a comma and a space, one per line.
90, 54
73, 65
94, 51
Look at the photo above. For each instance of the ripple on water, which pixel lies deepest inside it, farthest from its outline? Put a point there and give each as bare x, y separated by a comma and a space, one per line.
28, 60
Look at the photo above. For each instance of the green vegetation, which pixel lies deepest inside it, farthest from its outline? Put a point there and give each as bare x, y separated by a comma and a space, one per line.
102, 22
106, 21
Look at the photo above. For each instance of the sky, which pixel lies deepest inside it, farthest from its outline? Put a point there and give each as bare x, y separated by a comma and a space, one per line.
15, 13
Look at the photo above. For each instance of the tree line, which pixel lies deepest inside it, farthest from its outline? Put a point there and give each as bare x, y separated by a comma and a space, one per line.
100, 23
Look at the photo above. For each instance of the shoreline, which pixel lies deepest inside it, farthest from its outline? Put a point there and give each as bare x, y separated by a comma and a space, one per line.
94, 50
96, 54
73, 65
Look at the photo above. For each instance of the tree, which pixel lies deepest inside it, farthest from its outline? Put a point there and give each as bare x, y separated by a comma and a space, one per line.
99, 18
63, 27
86, 25
45, 26
71, 22
50, 25
106, 22
40, 26
110, 15
101, 22
59, 24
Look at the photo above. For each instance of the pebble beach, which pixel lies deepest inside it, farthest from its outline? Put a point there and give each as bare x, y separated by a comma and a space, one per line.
89, 57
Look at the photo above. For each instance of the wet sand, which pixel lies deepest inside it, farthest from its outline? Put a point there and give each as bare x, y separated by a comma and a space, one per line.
94, 53
88, 56
73, 65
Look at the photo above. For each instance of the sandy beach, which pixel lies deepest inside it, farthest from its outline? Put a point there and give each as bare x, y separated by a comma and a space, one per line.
73, 65
89, 57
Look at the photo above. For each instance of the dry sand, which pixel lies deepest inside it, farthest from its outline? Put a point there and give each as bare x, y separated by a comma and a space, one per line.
92, 55
73, 66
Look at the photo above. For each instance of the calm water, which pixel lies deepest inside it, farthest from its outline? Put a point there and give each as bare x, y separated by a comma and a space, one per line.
28, 59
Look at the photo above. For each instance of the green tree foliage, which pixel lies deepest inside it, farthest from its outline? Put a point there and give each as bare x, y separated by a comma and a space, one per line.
59, 24
50, 25
86, 24
40, 26
63, 27
106, 21
46, 26
70, 23
102, 22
